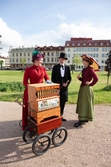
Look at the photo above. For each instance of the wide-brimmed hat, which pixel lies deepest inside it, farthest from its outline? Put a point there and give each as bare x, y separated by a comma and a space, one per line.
36, 55
87, 58
63, 55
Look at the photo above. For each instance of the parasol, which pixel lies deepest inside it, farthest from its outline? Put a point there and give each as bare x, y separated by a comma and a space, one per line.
95, 65
93, 62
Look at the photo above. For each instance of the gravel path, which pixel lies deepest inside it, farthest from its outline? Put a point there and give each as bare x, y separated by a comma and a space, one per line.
88, 146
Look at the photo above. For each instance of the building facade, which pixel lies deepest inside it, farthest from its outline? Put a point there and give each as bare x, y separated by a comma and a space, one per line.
98, 49
22, 57
6, 62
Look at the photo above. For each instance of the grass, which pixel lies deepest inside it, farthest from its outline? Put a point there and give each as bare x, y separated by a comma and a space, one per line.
102, 92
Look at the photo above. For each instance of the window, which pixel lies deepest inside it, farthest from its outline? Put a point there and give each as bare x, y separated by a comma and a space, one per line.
78, 44
82, 49
24, 54
28, 54
72, 44
89, 44
102, 61
20, 54
52, 53
84, 44
67, 44
68, 49
16, 54
101, 43
68, 55
47, 53
16, 60
107, 43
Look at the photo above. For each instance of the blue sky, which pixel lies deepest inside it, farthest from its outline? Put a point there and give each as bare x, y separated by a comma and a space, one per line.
52, 22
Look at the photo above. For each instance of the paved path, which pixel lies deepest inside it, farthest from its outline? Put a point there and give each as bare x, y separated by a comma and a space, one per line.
88, 146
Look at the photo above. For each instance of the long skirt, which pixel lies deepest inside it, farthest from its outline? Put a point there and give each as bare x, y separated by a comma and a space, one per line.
85, 103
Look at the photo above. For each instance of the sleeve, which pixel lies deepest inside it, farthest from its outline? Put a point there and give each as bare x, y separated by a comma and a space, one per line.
53, 75
94, 76
46, 77
26, 77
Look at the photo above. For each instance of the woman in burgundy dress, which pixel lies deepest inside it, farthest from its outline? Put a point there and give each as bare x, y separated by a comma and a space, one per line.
32, 75
85, 103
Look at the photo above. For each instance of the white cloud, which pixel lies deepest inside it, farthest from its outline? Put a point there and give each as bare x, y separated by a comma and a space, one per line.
55, 37
9, 38
61, 17
65, 31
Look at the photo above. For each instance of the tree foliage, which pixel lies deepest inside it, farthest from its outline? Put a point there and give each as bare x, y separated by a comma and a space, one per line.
1, 62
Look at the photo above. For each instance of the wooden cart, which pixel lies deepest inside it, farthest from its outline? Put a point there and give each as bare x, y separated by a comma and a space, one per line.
44, 119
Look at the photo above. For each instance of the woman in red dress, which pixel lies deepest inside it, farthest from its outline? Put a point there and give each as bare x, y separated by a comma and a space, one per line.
32, 75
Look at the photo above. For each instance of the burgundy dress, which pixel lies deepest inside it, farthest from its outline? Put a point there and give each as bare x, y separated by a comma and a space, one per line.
32, 75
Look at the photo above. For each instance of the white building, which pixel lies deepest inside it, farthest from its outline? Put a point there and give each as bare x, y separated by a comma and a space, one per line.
98, 49
22, 57
5, 63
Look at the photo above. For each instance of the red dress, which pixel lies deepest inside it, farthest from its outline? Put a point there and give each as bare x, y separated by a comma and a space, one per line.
32, 75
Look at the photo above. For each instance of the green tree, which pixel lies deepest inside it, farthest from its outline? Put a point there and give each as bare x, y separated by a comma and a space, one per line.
77, 60
23, 61
1, 62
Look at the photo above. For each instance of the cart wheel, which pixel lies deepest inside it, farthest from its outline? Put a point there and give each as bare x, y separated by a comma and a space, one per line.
20, 123
41, 144
59, 136
29, 136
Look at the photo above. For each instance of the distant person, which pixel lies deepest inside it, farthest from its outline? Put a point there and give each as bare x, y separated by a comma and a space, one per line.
32, 75
85, 103
61, 75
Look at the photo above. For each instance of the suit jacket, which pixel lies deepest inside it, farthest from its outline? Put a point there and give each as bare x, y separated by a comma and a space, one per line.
56, 78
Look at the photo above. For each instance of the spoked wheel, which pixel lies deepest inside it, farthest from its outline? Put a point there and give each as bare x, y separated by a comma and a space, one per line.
29, 134
41, 144
20, 123
59, 136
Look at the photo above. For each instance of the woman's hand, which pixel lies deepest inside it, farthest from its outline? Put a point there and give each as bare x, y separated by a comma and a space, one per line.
78, 76
88, 83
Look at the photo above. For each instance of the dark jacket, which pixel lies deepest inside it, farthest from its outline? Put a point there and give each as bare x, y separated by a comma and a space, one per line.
56, 78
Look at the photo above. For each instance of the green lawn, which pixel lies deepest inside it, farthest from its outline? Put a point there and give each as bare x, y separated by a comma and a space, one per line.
101, 91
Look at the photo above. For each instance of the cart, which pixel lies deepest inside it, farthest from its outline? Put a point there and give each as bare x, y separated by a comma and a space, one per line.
44, 119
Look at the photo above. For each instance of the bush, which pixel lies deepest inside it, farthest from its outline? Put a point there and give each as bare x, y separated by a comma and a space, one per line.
11, 87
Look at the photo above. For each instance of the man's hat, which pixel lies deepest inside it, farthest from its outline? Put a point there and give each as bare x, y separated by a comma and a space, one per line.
63, 55
87, 58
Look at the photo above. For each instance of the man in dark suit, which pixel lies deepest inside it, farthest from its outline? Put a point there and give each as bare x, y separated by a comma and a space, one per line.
61, 74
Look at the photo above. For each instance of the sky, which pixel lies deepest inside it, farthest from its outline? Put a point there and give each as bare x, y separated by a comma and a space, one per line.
52, 22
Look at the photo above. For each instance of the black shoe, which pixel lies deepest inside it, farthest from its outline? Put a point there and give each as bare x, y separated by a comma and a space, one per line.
85, 121
64, 119
79, 123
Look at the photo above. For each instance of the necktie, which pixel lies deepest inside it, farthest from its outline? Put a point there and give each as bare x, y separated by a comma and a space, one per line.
62, 67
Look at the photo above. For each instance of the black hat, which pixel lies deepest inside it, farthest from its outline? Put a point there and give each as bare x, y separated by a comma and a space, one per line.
63, 55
